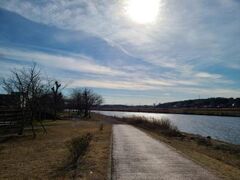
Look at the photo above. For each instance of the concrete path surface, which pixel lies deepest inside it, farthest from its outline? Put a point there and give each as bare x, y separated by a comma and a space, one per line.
138, 156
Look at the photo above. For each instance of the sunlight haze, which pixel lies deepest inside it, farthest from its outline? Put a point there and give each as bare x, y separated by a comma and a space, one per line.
144, 11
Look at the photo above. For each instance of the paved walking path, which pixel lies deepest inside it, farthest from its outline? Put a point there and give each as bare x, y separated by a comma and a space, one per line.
138, 156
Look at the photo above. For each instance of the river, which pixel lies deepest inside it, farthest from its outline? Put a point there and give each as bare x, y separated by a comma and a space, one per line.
218, 127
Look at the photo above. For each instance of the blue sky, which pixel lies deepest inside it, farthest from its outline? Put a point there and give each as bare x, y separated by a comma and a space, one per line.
191, 49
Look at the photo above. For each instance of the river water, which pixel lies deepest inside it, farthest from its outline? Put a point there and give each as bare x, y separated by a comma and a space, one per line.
218, 127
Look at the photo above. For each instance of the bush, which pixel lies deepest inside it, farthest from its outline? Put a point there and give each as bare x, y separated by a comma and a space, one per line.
204, 141
78, 147
228, 147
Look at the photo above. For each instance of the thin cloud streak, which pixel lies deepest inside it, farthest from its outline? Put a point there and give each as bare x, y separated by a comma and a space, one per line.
80, 63
113, 78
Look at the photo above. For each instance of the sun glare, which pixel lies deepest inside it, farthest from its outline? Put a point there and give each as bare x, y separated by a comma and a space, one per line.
142, 11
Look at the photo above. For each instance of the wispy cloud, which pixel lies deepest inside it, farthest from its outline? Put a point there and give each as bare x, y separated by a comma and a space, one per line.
129, 78
111, 84
171, 42
208, 75
75, 63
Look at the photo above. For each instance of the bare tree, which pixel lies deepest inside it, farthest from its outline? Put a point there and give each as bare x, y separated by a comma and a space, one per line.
90, 99
28, 83
84, 100
57, 98
77, 101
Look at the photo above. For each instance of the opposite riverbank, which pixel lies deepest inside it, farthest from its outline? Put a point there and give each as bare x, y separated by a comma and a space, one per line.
231, 112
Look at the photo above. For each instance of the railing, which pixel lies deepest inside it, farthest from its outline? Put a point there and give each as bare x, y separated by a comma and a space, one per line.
11, 120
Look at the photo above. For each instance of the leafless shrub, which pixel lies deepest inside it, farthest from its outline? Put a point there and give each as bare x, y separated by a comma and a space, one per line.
77, 148
204, 141
164, 126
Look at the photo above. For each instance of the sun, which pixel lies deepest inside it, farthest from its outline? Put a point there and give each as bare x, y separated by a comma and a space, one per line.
142, 11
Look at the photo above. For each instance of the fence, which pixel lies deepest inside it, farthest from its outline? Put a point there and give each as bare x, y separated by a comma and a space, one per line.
11, 120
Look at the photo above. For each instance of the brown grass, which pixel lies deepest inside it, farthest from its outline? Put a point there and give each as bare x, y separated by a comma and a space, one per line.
41, 158
163, 126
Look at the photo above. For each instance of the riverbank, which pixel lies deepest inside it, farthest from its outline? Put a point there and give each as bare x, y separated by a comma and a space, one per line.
46, 156
220, 157
231, 112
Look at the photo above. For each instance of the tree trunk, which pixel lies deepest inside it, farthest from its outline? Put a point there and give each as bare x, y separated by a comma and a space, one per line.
43, 127
33, 131
22, 123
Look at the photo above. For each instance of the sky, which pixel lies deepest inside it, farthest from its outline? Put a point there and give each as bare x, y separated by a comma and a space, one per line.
129, 51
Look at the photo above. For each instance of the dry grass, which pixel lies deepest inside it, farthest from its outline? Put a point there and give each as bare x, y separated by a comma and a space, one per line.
225, 164
163, 126
97, 158
41, 158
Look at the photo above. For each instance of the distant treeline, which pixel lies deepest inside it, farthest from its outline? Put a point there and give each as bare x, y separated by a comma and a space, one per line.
212, 106
218, 102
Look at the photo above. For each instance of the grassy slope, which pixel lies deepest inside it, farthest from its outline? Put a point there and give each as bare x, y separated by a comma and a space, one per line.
41, 158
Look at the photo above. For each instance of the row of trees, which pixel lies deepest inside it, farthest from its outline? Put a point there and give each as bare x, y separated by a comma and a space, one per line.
41, 98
